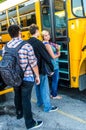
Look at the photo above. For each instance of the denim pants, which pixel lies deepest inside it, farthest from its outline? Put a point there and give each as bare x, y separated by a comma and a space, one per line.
26, 90
54, 84
43, 94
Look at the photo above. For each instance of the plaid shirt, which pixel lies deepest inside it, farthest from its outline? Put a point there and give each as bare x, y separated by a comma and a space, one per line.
26, 55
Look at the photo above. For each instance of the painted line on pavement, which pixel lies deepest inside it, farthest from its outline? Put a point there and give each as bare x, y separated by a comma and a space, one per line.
67, 115
72, 116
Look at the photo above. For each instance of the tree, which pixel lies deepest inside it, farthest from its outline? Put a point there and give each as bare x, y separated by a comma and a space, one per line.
2, 1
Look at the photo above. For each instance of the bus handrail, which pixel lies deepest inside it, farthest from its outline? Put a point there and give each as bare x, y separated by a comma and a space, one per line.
6, 91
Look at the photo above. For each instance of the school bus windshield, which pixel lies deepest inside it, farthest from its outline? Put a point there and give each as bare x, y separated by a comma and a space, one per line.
79, 7
59, 17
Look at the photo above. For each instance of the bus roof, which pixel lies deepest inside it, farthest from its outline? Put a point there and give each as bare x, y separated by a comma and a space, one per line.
10, 3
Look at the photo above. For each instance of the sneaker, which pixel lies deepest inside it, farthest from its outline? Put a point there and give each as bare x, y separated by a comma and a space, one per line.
36, 125
54, 108
19, 115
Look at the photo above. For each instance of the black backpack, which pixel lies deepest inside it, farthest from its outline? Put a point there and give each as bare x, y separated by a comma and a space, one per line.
10, 70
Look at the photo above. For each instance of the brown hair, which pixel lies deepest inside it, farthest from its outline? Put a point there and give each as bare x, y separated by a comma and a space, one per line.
33, 28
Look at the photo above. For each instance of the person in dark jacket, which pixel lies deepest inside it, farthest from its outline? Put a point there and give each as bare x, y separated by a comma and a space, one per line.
42, 90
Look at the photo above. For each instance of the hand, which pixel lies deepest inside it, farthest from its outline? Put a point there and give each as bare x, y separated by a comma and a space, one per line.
51, 73
59, 54
58, 47
37, 80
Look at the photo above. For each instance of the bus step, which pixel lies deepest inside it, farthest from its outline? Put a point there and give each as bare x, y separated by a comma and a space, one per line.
64, 79
64, 51
63, 71
64, 83
63, 61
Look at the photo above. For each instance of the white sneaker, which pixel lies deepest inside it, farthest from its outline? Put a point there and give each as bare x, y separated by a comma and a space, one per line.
54, 108
36, 125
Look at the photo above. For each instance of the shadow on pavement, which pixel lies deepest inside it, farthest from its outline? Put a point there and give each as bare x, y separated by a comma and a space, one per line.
73, 93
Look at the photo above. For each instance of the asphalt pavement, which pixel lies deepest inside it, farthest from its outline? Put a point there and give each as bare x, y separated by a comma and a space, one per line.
71, 114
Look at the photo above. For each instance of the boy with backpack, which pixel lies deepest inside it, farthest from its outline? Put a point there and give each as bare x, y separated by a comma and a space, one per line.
26, 60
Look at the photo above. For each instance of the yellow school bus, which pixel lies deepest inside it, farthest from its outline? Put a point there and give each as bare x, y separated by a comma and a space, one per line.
66, 21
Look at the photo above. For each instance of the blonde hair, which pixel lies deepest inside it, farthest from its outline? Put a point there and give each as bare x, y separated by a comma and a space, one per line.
44, 32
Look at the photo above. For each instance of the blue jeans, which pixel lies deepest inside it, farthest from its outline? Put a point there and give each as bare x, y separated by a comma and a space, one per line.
54, 84
42, 93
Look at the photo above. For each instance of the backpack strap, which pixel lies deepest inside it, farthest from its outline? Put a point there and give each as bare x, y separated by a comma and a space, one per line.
15, 50
20, 46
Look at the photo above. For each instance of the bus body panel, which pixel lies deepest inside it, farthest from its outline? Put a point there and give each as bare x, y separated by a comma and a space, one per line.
77, 36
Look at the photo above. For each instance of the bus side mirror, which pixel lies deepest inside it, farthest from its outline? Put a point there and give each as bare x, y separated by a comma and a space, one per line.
83, 48
45, 10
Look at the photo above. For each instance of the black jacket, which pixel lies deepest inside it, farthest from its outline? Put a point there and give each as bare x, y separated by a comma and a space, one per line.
41, 54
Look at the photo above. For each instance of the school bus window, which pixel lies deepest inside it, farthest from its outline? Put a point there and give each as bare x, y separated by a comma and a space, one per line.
12, 13
26, 8
44, 2
27, 14
45, 17
60, 18
3, 12
84, 4
21, 24
2, 16
59, 4
4, 25
23, 21
77, 8
22, 5
46, 21
28, 19
31, 19
13, 21
0, 27
12, 9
